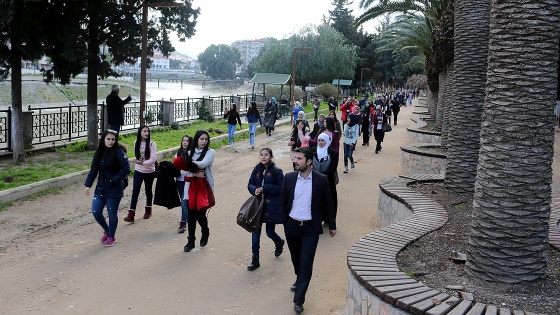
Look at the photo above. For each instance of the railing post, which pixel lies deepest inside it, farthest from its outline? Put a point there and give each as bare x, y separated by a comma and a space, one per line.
9, 133
70, 121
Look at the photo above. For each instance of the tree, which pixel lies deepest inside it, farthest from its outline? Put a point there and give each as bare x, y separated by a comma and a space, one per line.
472, 28
321, 65
219, 61
21, 37
78, 30
511, 205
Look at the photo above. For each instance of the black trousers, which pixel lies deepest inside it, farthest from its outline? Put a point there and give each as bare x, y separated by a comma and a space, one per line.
395, 114
302, 241
193, 217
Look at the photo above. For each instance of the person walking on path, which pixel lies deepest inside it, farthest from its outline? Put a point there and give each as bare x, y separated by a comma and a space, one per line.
305, 199
395, 108
111, 164
351, 133
115, 108
379, 120
232, 117
325, 161
144, 172
203, 157
269, 116
253, 117
365, 113
182, 186
316, 105
266, 181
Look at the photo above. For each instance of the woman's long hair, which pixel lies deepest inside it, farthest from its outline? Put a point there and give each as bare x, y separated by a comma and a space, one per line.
233, 108
253, 109
197, 136
111, 160
184, 153
330, 124
139, 141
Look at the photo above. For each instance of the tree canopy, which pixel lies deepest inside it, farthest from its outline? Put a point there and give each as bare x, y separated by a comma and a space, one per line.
219, 61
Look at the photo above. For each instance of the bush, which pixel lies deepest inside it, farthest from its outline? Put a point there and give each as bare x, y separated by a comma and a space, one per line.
325, 90
204, 112
274, 91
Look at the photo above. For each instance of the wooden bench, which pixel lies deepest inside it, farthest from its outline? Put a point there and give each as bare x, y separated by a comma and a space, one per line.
372, 261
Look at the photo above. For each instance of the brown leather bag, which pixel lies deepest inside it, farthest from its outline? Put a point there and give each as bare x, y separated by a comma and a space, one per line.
249, 216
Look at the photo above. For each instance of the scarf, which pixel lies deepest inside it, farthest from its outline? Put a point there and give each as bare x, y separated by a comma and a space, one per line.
323, 152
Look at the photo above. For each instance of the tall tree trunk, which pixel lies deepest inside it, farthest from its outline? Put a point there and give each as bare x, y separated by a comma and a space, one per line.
472, 28
93, 61
18, 148
448, 97
511, 206
431, 100
441, 99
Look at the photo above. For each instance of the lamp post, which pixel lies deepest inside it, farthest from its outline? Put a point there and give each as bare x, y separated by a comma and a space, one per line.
362, 76
144, 57
294, 71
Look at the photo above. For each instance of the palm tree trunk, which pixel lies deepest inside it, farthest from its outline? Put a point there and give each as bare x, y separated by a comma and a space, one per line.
511, 206
472, 22
448, 96
441, 100
431, 100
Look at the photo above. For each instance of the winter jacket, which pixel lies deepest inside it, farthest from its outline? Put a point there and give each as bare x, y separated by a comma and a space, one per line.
115, 108
166, 194
110, 182
272, 186
254, 118
232, 117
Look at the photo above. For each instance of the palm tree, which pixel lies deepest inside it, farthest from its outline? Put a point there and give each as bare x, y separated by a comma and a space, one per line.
511, 207
472, 19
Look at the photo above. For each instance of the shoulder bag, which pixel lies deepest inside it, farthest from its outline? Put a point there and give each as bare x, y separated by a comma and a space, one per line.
249, 216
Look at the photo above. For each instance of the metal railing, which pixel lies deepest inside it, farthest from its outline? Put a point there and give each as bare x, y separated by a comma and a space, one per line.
69, 123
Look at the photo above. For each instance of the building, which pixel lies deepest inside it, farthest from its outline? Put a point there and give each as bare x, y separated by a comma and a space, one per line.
249, 50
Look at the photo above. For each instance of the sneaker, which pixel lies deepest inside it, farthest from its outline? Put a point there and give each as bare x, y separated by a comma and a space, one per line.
345, 169
279, 248
353, 166
104, 237
298, 307
110, 241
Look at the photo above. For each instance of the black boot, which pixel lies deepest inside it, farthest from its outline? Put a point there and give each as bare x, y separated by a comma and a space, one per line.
204, 237
190, 244
279, 248
254, 264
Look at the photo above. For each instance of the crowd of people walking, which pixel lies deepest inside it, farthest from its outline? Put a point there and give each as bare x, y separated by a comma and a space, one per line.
303, 200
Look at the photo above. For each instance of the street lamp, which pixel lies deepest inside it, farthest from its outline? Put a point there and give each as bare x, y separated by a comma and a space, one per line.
362, 76
144, 57
294, 71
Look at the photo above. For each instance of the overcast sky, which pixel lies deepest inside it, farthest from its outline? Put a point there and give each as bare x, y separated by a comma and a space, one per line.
225, 21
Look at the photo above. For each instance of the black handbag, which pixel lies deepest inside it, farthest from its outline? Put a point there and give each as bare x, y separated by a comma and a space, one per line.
249, 216
387, 128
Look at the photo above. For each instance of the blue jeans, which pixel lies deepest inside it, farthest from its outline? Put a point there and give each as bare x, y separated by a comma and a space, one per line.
97, 205
252, 133
348, 150
184, 202
231, 133
148, 179
302, 242
257, 238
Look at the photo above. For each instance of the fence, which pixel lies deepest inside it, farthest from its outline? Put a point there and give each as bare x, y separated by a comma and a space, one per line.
69, 123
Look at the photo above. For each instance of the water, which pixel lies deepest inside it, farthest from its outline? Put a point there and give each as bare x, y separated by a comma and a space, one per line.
171, 90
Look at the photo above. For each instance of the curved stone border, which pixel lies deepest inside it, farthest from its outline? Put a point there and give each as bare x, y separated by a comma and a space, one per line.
414, 160
417, 135
375, 285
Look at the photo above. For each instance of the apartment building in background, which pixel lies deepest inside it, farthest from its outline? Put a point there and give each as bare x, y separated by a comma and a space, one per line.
249, 50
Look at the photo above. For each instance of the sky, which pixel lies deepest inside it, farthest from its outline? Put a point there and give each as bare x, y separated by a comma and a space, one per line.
225, 21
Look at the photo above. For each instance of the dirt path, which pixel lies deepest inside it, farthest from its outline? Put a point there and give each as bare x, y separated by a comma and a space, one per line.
53, 261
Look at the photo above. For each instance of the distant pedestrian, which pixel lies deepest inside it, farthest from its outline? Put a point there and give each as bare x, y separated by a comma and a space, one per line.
115, 108
351, 133
266, 181
144, 172
253, 117
379, 120
111, 164
305, 199
316, 105
269, 116
395, 108
232, 117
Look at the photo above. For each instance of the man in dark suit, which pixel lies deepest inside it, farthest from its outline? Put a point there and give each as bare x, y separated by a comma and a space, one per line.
115, 108
304, 199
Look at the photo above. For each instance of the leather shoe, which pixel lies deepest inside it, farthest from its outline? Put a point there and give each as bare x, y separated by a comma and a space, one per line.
298, 308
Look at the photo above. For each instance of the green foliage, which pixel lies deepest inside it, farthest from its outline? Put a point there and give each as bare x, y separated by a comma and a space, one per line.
322, 64
204, 112
326, 90
219, 61
274, 91
175, 125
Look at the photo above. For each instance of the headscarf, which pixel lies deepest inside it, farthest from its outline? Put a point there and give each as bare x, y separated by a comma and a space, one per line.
320, 123
353, 119
302, 114
323, 152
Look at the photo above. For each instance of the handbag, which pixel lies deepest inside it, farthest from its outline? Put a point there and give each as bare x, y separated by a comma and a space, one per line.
249, 216
387, 128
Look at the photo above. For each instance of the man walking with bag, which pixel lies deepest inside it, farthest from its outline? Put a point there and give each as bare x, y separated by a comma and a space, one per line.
305, 200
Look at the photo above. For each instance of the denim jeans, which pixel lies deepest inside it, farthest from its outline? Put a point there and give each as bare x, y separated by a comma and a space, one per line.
148, 179
231, 133
257, 238
252, 133
348, 150
97, 205
184, 202
302, 242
